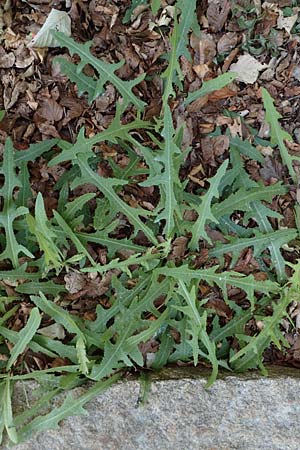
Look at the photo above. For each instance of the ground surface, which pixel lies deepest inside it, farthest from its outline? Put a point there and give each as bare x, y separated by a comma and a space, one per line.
235, 413
202, 263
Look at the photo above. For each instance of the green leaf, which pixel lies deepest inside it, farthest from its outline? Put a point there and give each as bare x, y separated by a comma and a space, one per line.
223, 279
106, 73
197, 329
34, 151
45, 235
148, 260
10, 212
7, 411
250, 355
258, 210
278, 135
260, 242
167, 177
58, 314
72, 236
25, 336
155, 5
81, 152
70, 407
19, 274
82, 356
173, 73
72, 209
242, 199
116, 355
204, 209
246, 149
212, 85
165, 349
47, 287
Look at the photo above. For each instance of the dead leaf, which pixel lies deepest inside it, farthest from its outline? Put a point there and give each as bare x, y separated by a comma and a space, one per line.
212, 147
7, 60
227, 42
178, 248
54, 331
74, 282
217, 13
287, 22
51, 111
247, 68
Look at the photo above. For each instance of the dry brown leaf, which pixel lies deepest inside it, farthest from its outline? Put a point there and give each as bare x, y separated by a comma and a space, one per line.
227, 42
225, 92
7, 60
51, 111
217, 13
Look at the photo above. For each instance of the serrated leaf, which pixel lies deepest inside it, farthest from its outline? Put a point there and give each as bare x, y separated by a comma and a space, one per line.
167, 177
82, 356
242, 199
164, 351
204, 209
223, 279
10, 212
13, 337
25, 336
73, 208
81, 152
173, 73
250, 355
197, 329
45, 235
257, 209
72, 236
148, 260
34, 287
106, 73
278, 135
58, 314
34, 151
115, 356
19, 274
247, 149
70, 407
7, 412
56, 347
260, 242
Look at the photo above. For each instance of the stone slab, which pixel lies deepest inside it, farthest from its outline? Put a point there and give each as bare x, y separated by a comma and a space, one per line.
260, 413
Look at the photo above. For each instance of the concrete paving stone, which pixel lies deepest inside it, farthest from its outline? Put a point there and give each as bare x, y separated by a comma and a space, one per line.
236, 413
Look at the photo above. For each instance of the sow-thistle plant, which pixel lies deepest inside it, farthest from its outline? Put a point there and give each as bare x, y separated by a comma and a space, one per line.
151, 296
